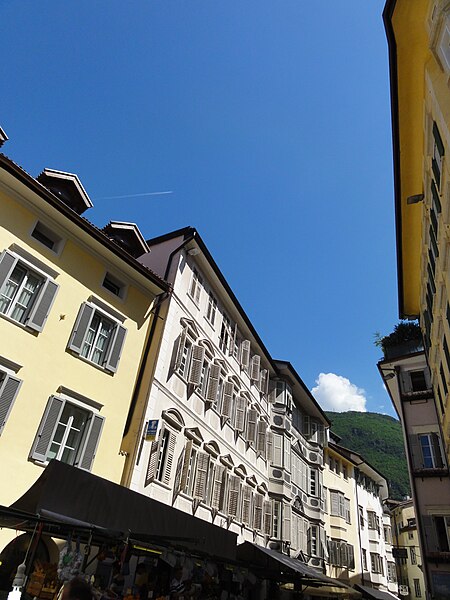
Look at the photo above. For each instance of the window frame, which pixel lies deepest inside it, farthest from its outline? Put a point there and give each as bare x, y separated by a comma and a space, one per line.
9, 388
195, 286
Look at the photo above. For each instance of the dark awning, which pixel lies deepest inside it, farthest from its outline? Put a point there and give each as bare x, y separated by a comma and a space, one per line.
373, 594
69, 495
280, 567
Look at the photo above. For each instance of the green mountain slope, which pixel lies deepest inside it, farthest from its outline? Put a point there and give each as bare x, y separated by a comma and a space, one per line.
379, 440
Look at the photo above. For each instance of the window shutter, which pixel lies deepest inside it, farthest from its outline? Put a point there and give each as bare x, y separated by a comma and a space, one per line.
245, 354
47, 428
416, 451
268, 517
286, 522
261, 437
195, 373
227, 399
90, 446
334, 500
323, 543
84, 318
278, 449
252, 417
116, 348
153, 460
306, 425
439, 463
438, 140
42, 306
9, 389
431, 540
218, 487
255, 367
201, 475
263, 381
351, 556
247, 505
233, 336
213, 383
239, 421
171, 442
257, 512
186, 464
270, 446
405, 382
233, 495
178, 475
7, 263
347, 509
180, 348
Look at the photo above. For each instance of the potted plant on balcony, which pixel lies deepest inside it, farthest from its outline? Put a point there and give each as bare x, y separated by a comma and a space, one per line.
405, 339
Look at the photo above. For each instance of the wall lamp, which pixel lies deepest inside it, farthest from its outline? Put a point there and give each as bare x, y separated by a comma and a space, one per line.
415, 199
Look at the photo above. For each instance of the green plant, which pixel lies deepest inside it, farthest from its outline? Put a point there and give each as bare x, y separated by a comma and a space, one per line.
404, 332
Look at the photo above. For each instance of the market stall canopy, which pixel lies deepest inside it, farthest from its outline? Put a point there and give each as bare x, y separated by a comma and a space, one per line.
373, 594
69, 495
280, 567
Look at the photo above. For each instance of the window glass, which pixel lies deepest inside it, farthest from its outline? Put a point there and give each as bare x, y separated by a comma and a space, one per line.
68, 435
97, 339
19, 293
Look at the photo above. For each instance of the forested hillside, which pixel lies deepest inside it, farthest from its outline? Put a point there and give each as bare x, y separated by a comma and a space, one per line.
379, 440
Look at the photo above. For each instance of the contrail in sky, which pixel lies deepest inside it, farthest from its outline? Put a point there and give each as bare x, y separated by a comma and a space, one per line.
134, 195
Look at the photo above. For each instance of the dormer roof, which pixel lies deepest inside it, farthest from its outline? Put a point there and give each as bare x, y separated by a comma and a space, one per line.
67, 187
128, 236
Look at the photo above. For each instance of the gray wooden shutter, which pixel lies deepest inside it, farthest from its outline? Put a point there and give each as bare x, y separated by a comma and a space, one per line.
245, 354
257, 512
278, 449
195, 372
115, 351
47, 428
170, 450
416, 451
405, 382
218, 487
255, 367
438, 140
227, 399
7, 263
247, 505
234, 495
213, 383
286, 522
153, 459
252, 417
351, 556
180, 348
269, 442
334, 498
82, 323
437, 451
42, 306
9, 389
239, 420
431, 540
261, 437
178, 475
201, 475
186, 464
263, 381
268, 517
91, 443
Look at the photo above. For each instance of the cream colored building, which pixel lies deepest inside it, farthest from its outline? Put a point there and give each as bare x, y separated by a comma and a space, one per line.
75, 316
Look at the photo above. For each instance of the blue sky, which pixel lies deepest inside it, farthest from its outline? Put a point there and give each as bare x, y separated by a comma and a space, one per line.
269, 121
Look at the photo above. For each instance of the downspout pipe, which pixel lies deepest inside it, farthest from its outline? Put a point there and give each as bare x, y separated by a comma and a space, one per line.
148, 345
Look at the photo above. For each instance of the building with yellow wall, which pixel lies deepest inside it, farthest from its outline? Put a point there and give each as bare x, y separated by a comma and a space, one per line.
76, 314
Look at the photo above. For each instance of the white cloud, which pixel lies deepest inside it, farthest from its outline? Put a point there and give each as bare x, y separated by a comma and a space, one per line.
336, 393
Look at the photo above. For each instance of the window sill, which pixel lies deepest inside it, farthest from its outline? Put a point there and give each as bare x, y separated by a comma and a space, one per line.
89, 362
19, 324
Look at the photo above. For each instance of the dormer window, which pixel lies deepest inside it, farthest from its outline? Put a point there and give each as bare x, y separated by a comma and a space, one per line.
113, 285
46, 236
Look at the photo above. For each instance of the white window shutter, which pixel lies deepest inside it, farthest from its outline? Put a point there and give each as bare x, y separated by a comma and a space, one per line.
218, 487
234, 495
286, 522
153, 460
180, 347
7, 263
90, 446
268, 517
261, 437
42, 306
47, 428
82, 323
195, 373
270, 446
245, 354
252, 417
186, 464
179, 472
201, 475
9, 389
247, 505
227, 399
213, 383
255, 367
264, 381
171, 442
278, 449
257, 512
115, 350
334, 501
239, 421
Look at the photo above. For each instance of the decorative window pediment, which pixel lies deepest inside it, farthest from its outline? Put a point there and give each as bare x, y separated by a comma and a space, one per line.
227, 461
241, 471
252, 481
262, 488
212, 448
194, 434
190, 326
174, 418
208, 347
222, 364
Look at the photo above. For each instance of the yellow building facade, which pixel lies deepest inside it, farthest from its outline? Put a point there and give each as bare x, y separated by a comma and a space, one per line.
76, 312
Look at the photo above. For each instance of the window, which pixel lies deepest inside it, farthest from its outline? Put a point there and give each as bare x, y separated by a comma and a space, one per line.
161, 457
344, 471
113, 285
312, 541
341, 554
97, 337
313, 477
68, 432
47, 237
418, 381
196, 286
417, 590
373, 520
26, 294
361, 516
9, 388
276, 529
391, 572
412, 555
387, 534
364, 559
211, 309
226, 335
340, 506
437, 533
438, 154
426, 451
376, 563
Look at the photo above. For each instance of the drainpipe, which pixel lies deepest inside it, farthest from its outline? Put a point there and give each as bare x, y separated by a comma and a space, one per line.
126, 479
359, 532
